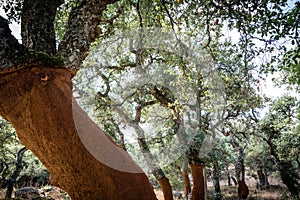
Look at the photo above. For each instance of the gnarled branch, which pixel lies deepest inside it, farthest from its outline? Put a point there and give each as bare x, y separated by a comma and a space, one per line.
82, 30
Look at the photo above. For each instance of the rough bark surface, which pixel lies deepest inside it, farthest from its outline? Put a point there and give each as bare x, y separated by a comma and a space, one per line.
38, 102
198, 190
38, 25
216, 175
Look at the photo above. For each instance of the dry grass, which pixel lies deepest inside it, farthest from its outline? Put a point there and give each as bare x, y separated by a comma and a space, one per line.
230, 193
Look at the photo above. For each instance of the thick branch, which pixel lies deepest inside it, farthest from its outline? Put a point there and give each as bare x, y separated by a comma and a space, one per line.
38, 25
14, 55
82, 30
10, 49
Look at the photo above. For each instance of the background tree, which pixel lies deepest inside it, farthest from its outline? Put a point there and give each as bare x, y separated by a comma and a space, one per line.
36, 88
279, 123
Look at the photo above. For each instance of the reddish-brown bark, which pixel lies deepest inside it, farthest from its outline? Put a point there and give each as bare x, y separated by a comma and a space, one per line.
198, 190
243, 190
166, 188
38, 102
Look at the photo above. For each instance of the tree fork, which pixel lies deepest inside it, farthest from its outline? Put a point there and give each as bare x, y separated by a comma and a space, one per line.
38, 102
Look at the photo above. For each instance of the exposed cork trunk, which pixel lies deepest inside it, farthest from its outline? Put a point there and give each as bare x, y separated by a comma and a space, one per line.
39, 104
198, 190
166, 188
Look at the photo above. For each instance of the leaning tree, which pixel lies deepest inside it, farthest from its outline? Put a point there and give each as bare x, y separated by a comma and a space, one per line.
35, 76
36, 97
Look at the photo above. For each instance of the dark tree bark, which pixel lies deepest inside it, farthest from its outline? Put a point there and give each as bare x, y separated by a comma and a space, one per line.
216, 176
234, 180
287, 173
13, 178
228, 176
4, 171
261, 178
266, 176
290, 178
36, 97
243, 190
37, 28
186, 179
81, 31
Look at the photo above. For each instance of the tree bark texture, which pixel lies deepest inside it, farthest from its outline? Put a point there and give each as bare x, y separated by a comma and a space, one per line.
216, 176
39, 104
38, 25
198, 190
186, 180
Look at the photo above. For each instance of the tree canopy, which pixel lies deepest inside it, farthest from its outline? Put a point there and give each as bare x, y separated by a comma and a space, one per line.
183, 76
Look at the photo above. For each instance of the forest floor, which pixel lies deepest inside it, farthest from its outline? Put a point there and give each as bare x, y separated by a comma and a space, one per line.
274, 192
230, 193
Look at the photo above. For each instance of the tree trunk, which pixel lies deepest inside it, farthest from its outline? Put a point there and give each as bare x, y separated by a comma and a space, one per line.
166, 188
243, 190
148, 157
39, 104
156, 171
228, 176
186, 179
261, 178
13, 178
287, 172
198, 190
266, 177
290, 178
234, 180
216, 175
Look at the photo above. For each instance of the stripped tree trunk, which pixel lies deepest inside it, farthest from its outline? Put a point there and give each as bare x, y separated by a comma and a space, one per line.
243, 190
261, 178
198, 190
36, 98
38, 102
